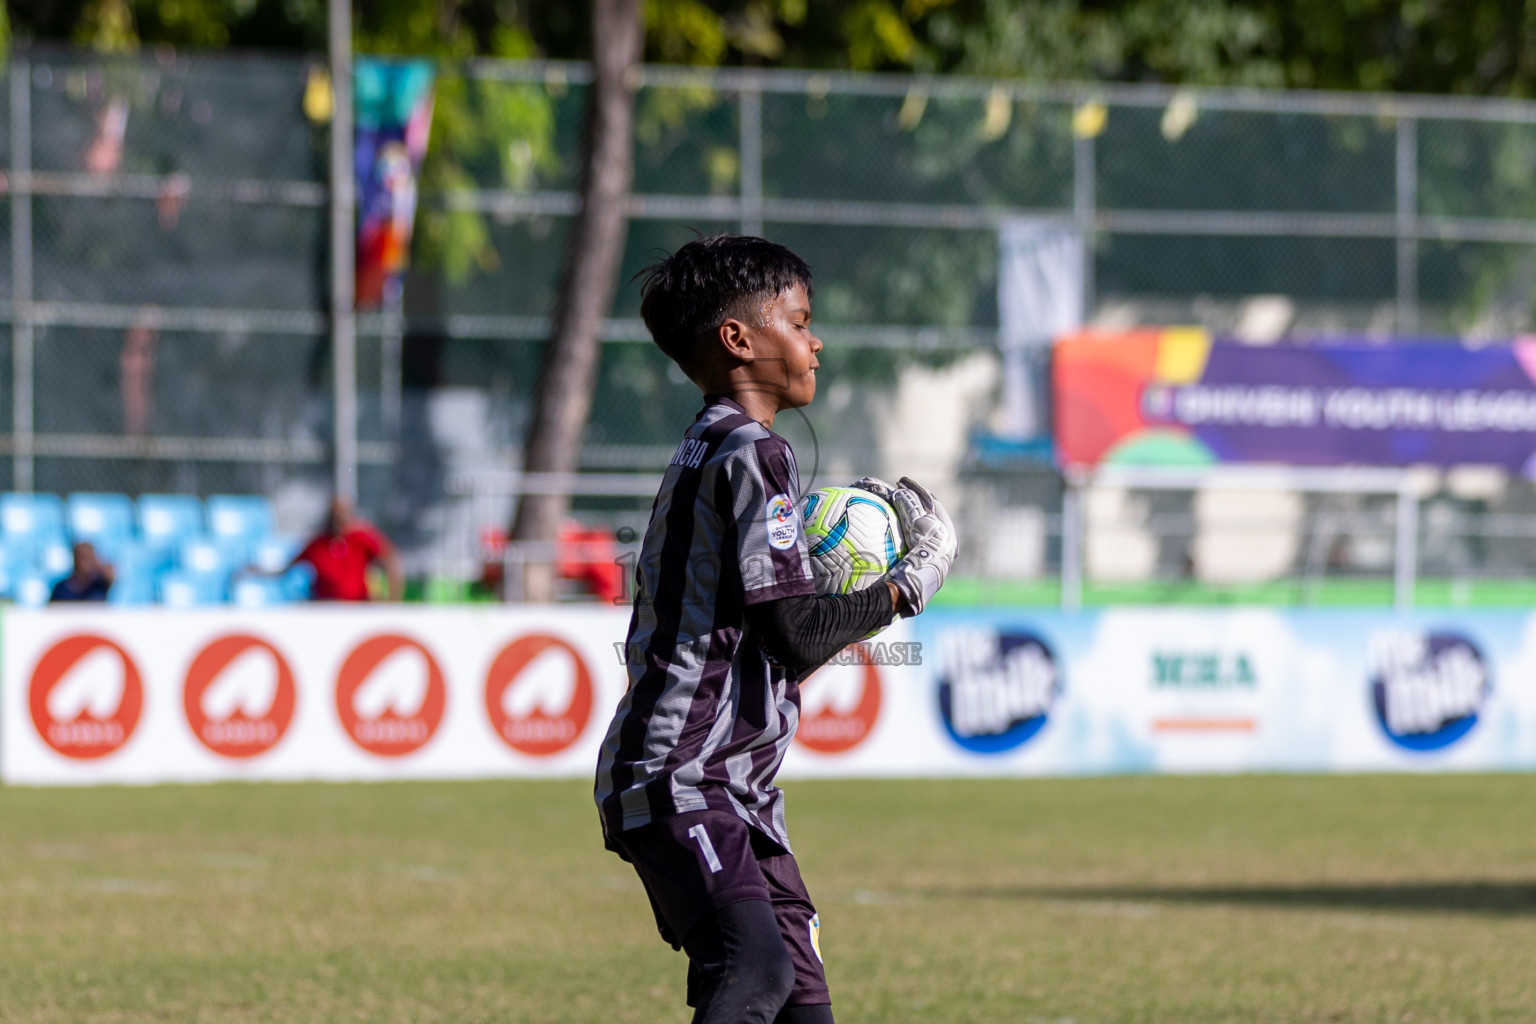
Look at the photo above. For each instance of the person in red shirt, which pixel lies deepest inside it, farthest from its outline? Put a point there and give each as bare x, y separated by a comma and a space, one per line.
342, 553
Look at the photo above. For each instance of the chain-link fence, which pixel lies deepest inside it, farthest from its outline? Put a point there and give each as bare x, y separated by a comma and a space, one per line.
166, 281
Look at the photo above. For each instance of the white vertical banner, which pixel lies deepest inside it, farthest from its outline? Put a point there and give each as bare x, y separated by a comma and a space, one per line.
1040, 284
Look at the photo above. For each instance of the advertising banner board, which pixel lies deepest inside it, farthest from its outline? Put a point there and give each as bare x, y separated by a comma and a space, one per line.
127, 695
1180, 397
130, 696
1234, 690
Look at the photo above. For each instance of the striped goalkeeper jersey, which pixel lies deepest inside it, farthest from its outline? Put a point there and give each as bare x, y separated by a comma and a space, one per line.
707, 717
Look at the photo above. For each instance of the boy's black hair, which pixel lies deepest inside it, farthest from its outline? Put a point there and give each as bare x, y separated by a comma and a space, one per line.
709, 280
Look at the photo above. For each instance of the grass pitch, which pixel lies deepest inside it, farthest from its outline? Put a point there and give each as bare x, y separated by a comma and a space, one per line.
1179, 900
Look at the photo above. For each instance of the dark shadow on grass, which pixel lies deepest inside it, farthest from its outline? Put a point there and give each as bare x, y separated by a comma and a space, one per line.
1468, 897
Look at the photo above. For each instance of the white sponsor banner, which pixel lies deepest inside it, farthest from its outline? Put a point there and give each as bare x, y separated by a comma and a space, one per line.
118, 695
1186, 690
318, 692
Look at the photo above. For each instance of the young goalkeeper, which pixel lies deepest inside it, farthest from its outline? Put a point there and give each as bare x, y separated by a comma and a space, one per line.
725, 625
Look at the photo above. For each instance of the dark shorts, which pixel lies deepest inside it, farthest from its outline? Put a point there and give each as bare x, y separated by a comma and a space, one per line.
692, 864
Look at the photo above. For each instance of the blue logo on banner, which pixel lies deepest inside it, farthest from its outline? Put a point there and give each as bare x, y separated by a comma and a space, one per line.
996, 688
1427, 687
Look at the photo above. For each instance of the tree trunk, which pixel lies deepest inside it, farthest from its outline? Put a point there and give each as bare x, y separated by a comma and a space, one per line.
587, 285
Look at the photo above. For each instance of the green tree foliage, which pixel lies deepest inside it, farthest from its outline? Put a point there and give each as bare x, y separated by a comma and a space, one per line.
1185, 41
519, 136
1473, 47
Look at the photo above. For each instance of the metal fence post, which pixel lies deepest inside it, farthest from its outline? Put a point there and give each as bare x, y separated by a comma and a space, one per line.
1072, 544
751, 99
391, 343
1084, 211
1405, 563
1084, 202
1407, 225
21, 273
343, 254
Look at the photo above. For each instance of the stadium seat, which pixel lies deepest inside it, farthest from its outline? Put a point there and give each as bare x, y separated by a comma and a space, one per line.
36, 518
55, 560
589, 557
275, 553
258, 592
188, 590
17, 558
298, 581
33, 589
106, 520
134, 574
243, 518
204, 556
166, 521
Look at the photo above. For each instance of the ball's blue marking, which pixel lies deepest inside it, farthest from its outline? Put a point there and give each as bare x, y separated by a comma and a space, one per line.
811, 501
833, 538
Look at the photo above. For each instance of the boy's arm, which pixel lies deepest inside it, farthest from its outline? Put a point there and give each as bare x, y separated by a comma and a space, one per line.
803, 633
757, 494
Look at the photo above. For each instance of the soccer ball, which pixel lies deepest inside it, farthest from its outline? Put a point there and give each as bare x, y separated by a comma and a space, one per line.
854, 538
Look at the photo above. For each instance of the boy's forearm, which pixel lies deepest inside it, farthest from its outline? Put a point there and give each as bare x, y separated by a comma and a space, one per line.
803, 633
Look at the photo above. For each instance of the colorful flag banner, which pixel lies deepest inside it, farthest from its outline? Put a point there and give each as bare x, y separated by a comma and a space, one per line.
393, 101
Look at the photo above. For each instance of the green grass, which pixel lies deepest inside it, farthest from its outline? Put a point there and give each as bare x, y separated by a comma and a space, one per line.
1179, 900
970, 592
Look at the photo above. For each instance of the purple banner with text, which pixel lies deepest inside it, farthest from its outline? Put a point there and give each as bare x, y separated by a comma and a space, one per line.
1180, 397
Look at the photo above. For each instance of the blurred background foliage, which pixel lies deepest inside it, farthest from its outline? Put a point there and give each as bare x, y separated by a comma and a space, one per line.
523, 136
1474, 47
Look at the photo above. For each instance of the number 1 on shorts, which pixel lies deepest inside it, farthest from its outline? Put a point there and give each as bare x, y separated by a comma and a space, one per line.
708, 847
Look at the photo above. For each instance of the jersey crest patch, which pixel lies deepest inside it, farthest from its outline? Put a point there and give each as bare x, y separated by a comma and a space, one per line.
783, 523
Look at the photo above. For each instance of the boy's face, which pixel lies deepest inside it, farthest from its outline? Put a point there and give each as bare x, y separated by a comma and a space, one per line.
784, 350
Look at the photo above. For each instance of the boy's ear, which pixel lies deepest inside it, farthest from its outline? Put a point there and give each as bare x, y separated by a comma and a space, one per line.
732, 334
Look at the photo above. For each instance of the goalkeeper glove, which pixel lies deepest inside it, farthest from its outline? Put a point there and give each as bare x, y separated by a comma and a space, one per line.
930, 537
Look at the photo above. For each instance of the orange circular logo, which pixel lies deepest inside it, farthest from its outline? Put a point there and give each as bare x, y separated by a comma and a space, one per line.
538, 694
85, 696
390, 695
838, 723
239, 696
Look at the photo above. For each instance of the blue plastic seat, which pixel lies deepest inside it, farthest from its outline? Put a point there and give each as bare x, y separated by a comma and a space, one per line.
258, 592
166, 521
136, 572
55, 559
204, 556
134, 590
274, 553
106, 520
298, 581
35, 518
16, 560
33, 589
245, 519
189, 590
